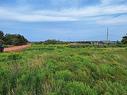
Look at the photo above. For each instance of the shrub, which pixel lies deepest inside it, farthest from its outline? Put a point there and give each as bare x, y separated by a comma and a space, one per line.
13, 39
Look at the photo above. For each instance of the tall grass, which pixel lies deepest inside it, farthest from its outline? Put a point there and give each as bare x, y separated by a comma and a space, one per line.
62, 70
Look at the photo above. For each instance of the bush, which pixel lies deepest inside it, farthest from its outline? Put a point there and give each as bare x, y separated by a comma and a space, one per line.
53, 42
12, 39
124, 40
15, 39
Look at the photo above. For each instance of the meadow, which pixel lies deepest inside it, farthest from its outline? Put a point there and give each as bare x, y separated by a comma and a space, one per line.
64, 70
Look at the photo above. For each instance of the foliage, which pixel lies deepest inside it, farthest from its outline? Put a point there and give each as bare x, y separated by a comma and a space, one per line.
12, 39
78, 88
1, 35
53, 42
63, 70
124, 40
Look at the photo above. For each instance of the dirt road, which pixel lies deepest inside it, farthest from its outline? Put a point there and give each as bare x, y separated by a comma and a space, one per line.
16, 48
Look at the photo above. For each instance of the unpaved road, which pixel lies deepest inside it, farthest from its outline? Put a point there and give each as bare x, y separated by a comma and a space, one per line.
16, 48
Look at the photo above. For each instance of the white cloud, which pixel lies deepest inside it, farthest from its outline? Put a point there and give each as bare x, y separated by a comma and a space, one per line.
8, 14
115, 21
94, 13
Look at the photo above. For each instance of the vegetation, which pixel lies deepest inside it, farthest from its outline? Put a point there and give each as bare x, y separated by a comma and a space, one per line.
124, 40
53, 42
12, 39
1, 35
64, 70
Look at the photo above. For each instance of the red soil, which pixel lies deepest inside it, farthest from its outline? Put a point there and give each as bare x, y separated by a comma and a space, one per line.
16, 48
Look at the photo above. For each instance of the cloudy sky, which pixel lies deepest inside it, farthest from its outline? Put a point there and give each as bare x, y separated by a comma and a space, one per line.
64, 19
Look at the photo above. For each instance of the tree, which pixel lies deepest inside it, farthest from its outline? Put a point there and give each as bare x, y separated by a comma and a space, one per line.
15, 39
124, 39
1, 35
53, 41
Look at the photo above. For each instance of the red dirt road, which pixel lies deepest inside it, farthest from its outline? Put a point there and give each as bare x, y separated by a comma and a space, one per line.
16, 48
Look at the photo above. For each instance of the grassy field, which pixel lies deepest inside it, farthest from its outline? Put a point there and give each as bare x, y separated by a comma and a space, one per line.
64, 70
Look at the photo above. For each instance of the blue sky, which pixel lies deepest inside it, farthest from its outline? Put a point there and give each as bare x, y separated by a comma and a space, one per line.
69, 20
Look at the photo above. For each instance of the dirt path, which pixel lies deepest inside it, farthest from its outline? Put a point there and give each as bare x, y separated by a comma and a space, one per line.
16, 48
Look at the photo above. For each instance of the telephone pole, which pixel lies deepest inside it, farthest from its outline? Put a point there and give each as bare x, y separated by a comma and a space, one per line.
107, 38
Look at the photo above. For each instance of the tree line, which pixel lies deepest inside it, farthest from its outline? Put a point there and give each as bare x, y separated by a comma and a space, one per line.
53, 41
17, 39
124, 39
12, 39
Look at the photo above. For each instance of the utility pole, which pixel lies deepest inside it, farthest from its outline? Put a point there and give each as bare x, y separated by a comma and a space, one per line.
107, 35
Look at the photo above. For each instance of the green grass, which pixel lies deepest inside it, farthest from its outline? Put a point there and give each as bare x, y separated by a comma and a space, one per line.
64, 70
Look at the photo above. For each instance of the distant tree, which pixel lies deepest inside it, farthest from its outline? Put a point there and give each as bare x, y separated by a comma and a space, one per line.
53, 42
124, 39
15, 39
1, 35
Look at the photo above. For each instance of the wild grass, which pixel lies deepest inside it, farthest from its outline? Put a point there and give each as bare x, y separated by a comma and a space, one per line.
64, 70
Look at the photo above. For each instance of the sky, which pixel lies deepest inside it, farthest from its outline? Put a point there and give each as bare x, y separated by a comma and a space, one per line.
67, 20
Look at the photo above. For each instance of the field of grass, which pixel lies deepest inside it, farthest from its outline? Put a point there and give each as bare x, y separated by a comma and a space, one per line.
64, 70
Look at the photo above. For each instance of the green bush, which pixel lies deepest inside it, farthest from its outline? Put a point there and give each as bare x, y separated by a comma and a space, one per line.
15, 39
